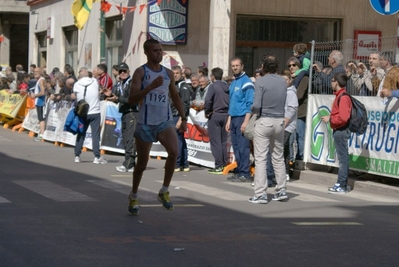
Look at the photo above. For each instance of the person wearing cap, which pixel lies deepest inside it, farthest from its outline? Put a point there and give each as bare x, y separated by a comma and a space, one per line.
120, 94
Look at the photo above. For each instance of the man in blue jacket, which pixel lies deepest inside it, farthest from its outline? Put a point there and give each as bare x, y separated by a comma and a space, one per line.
241, 92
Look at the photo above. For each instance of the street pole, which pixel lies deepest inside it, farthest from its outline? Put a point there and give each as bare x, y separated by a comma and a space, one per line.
102, 37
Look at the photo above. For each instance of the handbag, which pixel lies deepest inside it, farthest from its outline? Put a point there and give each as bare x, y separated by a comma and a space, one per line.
82, 107
249, 130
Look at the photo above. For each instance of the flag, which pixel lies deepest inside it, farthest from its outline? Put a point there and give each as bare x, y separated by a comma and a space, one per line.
81, 12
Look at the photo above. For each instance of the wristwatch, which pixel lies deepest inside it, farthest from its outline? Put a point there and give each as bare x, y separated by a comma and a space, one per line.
183, 118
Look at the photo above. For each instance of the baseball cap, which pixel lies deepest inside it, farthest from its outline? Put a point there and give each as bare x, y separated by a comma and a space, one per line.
123, 66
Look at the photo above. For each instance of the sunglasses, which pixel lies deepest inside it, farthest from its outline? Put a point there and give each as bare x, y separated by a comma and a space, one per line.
291, 65
122, 71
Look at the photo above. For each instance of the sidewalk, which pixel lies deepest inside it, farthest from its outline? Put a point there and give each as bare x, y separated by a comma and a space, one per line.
368, 183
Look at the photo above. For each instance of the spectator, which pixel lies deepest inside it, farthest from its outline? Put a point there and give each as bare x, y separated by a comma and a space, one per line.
194, 85
241, 92
202, 70
290, 120
391, 78
373, 76
115, 73
269, 103
39, 95
1, 72
69, 72
300, 52
302, 94
338, 119
12, 85
93, 118
200, 94
104, 80
216, 109
353, 75
335, 60
184, 92
129, 116
20, 71
32, 68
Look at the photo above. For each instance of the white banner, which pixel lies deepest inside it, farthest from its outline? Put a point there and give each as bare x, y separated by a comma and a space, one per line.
31, 123
376, 151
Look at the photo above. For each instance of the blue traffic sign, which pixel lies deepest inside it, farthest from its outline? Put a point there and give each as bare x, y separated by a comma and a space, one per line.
385, 7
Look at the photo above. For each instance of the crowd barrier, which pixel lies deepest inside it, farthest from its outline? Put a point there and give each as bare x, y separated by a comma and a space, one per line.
198, 145
374, 152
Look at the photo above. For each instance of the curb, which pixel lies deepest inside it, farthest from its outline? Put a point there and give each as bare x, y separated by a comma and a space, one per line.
322, 177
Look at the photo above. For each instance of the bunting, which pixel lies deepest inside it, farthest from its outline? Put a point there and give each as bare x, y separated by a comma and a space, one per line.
81, 9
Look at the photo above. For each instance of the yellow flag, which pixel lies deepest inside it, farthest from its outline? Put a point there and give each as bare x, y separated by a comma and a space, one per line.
81, 11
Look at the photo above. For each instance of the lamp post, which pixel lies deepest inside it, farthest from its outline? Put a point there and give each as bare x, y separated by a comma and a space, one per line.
102, 36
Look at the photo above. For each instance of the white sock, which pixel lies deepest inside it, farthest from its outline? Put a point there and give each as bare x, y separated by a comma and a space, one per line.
164, 189
133, 195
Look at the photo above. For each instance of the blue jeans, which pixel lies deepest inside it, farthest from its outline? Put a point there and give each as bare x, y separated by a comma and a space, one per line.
240, 146
300, 136
182, 158
94, 120
341, 138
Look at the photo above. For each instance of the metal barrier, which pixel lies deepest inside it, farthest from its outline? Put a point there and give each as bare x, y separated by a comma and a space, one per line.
353, 53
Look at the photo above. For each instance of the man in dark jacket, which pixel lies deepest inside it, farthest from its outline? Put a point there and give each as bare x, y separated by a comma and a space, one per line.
129, 117
338, 119
216, 109
184, 92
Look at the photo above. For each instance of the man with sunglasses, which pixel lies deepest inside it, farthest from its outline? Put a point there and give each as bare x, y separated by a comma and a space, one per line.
129, 116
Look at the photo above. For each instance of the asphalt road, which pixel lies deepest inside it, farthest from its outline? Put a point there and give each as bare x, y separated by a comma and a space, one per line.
54, 212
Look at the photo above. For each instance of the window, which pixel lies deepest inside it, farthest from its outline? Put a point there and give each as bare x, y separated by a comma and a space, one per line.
71, 46
113, 32
256, 35
42, 48
283, 29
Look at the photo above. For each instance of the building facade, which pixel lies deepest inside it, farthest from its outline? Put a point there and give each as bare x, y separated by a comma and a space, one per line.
14, 33
216, 30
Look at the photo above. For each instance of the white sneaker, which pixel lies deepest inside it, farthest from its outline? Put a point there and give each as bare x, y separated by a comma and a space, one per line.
123, 169
99, 160
77, 159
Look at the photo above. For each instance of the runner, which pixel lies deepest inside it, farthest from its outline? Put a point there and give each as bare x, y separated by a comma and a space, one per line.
152, 86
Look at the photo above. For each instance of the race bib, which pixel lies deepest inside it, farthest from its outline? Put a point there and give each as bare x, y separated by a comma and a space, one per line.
157, 98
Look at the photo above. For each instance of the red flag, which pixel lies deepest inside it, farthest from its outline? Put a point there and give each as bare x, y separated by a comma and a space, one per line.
142, 7
105, 6
132, 9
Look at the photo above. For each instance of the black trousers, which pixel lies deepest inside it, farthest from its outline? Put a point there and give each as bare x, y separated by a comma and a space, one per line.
129, 121
218, 138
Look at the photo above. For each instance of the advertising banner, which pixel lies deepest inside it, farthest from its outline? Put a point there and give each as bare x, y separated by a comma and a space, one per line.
31, 123
376, 151
111, 137
10, 104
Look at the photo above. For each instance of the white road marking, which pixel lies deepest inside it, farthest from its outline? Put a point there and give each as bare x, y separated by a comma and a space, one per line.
4, 200
53, 191
2, 138
211, 191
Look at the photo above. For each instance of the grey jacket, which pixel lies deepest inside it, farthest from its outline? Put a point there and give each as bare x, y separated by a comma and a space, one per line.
291, 109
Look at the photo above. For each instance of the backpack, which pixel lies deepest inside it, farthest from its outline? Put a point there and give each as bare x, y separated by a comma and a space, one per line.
358, 119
